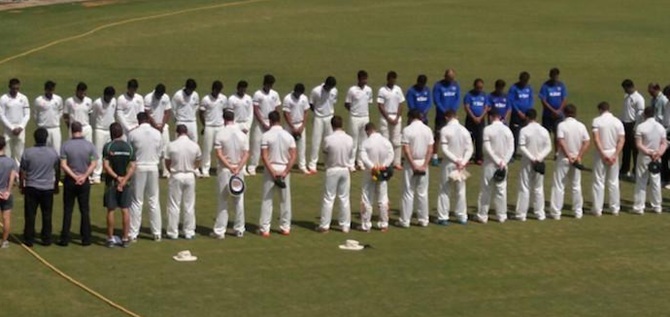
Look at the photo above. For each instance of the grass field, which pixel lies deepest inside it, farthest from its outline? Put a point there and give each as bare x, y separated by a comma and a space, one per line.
608, 266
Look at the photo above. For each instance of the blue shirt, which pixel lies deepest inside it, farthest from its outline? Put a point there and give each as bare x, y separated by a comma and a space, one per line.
477, 102
419, 100
521, 99
553, 94
446, 96
499, 104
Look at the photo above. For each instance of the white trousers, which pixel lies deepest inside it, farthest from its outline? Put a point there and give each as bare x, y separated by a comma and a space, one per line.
357, 132
338, 183
54, 139
101, 138
181, 195
145, 182
414, 185
489, 187
255, 146
320, 130
192, 127
393, 134
370, 190
531, 188
451, 188
15, 145
300, 148
644, 178
221, 223
284, 205
86, 131
562, 171
207, 146
605, 174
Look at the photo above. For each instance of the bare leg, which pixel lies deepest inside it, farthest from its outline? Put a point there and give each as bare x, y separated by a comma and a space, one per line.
126, 223
6, 224
110, 224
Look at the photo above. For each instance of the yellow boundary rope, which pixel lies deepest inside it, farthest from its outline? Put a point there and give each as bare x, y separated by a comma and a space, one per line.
113, 24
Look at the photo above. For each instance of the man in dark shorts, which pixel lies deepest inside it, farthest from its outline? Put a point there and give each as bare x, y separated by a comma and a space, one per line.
553, 96
8, 173
39, 176
78, 158
119, 165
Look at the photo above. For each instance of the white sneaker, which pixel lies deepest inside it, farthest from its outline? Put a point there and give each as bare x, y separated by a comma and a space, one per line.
352, 169
95, 180
157, 237
4, 244
251, 171
217, 236
304, 171
667, 186
345, 229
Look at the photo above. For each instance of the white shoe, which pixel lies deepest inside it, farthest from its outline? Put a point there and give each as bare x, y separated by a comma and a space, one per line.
352, 169
304, 171
667, 186
95, 180
157, 237
251, 171
217, 236
4, 244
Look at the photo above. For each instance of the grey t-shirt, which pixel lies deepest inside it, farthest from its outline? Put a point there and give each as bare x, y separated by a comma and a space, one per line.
78, 153
38, 163
7, 166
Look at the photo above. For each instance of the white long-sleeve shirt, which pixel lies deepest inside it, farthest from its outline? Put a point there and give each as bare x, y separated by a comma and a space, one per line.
338, 148
376, 151
78, 109
127, 109
456, 142
573, 133
633, 106
534, 142
48, 111
498, 143
14, 111
184, 107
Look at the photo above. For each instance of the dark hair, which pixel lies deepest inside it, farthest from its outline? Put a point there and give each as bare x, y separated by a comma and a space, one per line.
274, 117
133, 84
362, 74
336, 122
449, 113
370, 127
627, 83
181, 129
330, 81
500, 83
190, 84
478, 80
3, 142
649, 112
570, 110
75, 127
531, 114
422, 79
115, 130
554, 72
142, 117
242, 84
159, 90
109, 91
81, 86
49, 85
654, 86
524, 76
604, 106
14, 81
666, 91
414, 114
228, 115
268, 79
391, 75
217, 85
41, 135
299, 88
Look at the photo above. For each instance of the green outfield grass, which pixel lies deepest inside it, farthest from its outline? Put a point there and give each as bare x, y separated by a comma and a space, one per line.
608, 266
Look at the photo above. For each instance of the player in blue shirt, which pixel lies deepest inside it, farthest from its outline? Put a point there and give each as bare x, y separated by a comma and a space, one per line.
474, 103
497, 101
520, 98
419, 98
554, 96
446, 96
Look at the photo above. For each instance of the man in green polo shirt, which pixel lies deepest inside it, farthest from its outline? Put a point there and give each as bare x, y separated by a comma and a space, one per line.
119, 166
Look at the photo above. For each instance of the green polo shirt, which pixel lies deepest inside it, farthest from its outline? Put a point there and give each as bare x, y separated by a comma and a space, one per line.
119, 154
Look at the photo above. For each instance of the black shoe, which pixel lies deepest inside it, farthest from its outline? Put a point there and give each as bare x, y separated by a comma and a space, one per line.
85, 243
62, 243
46, 243
28, 243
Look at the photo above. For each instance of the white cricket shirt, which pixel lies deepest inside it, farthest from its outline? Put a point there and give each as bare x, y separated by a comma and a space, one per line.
419, 137
127, 109
360, 100
183, 153
213, 108
609, 128
376, 150
102, 113
266, 102
498, 143
338, 147
242, 107
278, 142
651, 132
391, 98
323, 101
233, 142
14, 111
534, 142
633, 106
184, 107
48, 111
147, 143
296, 107
573, 133
157, 106
78, 109
456, 142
